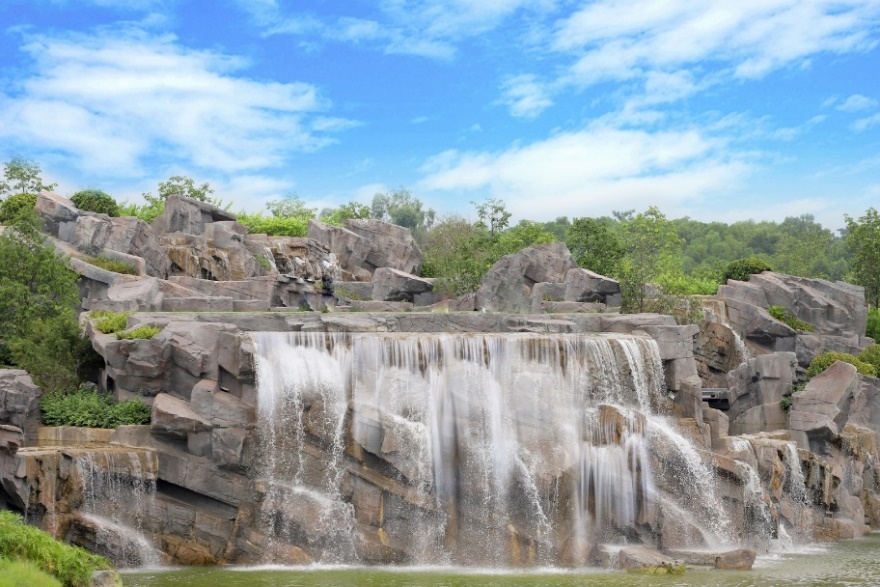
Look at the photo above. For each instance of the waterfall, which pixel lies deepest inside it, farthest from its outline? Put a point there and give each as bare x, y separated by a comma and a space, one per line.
464, 448
118, 489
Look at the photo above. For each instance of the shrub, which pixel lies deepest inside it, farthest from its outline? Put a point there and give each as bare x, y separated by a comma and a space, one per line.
785, 402
743, 269
71, 565
14, 205
259, 223
145, 331
786, 316
86, 407
871, 356
146, 212
873, 326
95, 201
825, 360
110, 322
114, 265
21, 573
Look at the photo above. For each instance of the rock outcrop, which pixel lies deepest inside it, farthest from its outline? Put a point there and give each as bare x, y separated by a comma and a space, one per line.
507, 287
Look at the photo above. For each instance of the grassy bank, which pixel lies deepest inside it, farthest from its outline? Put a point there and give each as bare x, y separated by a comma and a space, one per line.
20, 543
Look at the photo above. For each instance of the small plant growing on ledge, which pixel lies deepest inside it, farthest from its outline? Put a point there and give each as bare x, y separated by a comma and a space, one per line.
786, 316
87, 407
825, 360
114, 265
110, 322
145, 331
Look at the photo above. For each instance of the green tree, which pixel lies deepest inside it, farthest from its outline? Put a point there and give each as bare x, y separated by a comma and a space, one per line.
179, 185
653, 255
21, 177
803, 247
595, 245
95, 201
525, 234
493, 215
290, 206
455, 254
863, 241
349, 211
402, 208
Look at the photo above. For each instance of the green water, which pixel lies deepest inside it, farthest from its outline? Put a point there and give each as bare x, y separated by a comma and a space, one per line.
844, 564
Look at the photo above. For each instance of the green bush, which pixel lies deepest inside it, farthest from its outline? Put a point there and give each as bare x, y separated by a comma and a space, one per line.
743, 269
259, 223
72, 566
110, 322
95, 201
785, 402
14, 205
873, 326
871, 356
144, 331
21, 573
114, 265
825, 360
786, 316
146, 212
86, 407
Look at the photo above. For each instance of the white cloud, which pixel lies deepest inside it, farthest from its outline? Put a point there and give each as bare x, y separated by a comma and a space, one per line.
864, 124
109, 100
525, 96
592, 171
614, 41
856, 103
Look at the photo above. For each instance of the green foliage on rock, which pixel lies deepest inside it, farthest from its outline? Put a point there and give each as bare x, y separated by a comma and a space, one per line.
144, 331
16, 205
825, 360
871, 356
114, 265
95, 201
743, 269
21, 573
88, 408
21, 176
259, 223
109, 322
786, 316
72, 566
177, 185
652, 252
402, 208
146, 212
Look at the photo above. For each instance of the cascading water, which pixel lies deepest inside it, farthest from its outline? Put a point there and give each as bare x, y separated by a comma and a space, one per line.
118, 488
486, 449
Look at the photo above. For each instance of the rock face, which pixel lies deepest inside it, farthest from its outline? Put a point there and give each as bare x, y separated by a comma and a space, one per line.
755, 391
507, 287
19, 401
837, 311
391, 285
366, 245
820, 412
188, 216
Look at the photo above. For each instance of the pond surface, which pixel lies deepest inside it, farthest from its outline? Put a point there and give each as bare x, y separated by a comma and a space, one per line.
844, 564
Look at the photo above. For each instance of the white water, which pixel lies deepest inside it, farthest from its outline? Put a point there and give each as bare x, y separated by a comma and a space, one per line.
529, 447
117, 492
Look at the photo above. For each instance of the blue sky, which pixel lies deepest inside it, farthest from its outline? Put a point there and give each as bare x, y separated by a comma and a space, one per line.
716, 110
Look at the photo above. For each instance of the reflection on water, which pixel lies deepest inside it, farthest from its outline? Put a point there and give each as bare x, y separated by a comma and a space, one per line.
844, 564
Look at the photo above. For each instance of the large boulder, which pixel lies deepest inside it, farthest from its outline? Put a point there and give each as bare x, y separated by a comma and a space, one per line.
19, 401
392, 285
507, 287
188, 216
836, 312
821, 410
583, 285
755, 390
366, 245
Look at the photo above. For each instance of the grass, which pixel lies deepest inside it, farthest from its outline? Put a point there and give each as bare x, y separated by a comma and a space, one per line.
110, 322
114, 265
786, 316
825, 360
145, 331
70, 565
19, 573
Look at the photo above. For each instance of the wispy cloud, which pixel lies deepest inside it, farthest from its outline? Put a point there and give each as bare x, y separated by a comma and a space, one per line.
113, 98
857, 103
591, 171
525, 96
864, 124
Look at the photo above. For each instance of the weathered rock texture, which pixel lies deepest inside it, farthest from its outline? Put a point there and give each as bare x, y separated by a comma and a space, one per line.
507, 287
